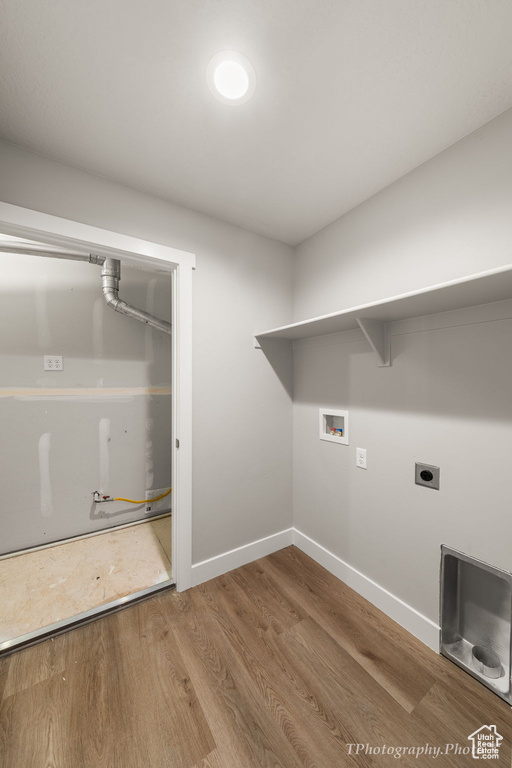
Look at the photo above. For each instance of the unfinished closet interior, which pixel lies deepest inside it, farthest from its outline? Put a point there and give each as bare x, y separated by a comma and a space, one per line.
85, 403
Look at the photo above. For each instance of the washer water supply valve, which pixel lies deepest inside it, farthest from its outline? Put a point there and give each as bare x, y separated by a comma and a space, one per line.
100, 499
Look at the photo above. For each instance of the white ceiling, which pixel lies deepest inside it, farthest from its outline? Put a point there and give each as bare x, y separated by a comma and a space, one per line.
351, 95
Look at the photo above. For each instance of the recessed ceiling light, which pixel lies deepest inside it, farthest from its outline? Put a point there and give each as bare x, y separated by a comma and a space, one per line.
231, 77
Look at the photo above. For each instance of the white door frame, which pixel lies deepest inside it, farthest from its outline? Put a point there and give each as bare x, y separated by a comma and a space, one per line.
34, 225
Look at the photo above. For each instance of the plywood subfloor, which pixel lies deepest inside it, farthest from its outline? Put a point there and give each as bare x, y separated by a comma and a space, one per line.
42, 587
274, 665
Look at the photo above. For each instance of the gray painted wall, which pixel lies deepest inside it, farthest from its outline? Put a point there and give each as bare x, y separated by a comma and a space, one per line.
243, 282
446, 398
446, 219
91, 426
444, 401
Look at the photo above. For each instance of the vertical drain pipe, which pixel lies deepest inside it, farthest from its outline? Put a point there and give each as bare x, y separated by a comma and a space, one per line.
110, 277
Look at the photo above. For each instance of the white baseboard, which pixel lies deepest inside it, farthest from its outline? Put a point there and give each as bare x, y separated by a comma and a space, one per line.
235, 558
414, 622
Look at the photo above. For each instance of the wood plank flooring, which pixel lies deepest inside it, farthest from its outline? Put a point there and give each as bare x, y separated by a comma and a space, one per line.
275, 665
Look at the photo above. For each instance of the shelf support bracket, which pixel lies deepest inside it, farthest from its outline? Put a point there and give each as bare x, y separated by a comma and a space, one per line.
376, 332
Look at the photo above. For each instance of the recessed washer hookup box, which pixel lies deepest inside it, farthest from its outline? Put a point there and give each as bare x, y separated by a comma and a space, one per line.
476, 614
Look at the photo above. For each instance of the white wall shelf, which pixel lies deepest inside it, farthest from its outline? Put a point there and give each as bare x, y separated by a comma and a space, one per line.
482, 288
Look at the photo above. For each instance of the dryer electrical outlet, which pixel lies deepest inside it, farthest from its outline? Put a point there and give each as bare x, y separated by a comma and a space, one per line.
427, 475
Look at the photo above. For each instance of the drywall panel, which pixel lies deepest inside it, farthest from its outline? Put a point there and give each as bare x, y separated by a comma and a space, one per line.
444, 401
446, 219
242, 409
102, 423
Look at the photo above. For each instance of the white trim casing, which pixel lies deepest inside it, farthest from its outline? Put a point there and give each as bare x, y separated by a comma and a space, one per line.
34, 225
182, 427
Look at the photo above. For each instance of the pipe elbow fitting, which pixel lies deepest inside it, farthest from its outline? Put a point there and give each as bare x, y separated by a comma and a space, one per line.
110, 278
111, 298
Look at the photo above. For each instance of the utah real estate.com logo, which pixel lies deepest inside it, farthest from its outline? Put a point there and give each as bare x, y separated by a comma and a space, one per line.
486, 743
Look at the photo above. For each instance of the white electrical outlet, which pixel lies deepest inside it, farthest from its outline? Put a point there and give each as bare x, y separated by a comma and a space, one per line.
52, 362
361, 458
162, 505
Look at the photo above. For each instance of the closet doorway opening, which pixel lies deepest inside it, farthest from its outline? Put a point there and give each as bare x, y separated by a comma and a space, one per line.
95, 407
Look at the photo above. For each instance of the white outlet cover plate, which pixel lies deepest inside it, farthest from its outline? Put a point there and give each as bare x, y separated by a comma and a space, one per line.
158, 506
52, 362
361, 458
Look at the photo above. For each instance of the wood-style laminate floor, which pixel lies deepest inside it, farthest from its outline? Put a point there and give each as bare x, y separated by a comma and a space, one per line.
274, 664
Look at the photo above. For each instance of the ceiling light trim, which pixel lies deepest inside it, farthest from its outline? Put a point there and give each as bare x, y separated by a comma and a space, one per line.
225, 57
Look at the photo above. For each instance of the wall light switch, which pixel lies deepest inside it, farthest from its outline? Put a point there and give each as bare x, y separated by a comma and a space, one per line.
361, 458
52, 362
